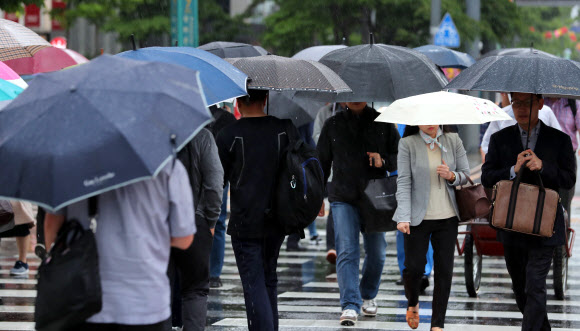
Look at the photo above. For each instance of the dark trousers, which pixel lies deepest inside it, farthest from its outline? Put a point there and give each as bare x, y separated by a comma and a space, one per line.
189, 275
330, 231
528, 268
443, 234
257, 260
161, 326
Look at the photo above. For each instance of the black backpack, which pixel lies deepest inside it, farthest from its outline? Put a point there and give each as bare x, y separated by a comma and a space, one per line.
299, 189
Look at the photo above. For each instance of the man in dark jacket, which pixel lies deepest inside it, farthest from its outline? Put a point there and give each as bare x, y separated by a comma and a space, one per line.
222, 118
528, 258
201, 160
357, 149
250, 152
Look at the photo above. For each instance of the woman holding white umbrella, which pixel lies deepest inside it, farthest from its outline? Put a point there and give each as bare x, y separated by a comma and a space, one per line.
431, 162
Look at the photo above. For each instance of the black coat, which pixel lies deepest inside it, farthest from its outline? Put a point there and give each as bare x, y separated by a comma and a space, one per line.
343, 145
554, 148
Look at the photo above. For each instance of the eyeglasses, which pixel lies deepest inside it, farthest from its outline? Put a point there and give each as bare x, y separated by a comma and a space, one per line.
522, 104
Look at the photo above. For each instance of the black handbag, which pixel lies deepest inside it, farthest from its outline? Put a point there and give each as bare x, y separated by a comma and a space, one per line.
69, 285
378, 205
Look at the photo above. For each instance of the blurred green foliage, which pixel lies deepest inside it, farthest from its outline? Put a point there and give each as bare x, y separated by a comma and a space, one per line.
298, 24
17, 6
147, 19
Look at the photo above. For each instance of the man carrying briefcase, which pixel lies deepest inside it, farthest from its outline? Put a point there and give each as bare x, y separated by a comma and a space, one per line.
528, 257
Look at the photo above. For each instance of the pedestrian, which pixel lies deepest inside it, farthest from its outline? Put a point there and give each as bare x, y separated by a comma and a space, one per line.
190, 268
400, 238
545, 114
136, 226
528, 258
566, 111
250, 151
222, 118
431, 163
24, 220
357, 149
323, 115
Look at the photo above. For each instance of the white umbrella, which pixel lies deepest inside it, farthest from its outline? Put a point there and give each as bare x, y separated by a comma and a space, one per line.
441, 108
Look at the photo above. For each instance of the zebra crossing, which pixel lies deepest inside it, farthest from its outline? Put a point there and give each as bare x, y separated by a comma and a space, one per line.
309, 296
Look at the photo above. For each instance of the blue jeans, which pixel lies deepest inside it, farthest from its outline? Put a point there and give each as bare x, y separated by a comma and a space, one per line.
347, 227
401, 255
312, 229
216, 258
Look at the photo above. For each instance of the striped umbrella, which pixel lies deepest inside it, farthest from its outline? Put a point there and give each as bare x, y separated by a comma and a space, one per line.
17, 41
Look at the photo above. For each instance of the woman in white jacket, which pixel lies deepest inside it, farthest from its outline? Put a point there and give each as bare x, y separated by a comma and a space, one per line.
430, 164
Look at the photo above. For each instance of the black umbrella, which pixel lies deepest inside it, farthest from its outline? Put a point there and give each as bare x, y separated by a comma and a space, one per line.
280, 73
225, 49
80, 132
513, 51
532, 72
301, 111
378, 72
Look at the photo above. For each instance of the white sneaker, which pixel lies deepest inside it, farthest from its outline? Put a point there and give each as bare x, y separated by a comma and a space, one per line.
348, 317
369, 307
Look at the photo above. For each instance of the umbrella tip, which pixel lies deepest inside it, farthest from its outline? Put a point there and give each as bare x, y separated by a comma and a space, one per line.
372, 38
133, 42
344, 41
102, 51
532, 45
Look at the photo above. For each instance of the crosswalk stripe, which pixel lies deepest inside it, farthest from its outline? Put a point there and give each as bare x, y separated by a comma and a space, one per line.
371, 325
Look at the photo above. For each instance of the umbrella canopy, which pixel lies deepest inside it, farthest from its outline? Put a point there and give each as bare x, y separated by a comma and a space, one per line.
221, 80
378, 72
445, 57
531, 72
17, 41
279, 73
300, 111
76, 56
47, 59
225, 49
441, 108
80, 132
514, 51
9, 75
315, 53
9, 91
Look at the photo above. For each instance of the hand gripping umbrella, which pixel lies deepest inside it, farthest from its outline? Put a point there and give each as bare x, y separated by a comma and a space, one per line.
80, 132
532, 72
221, 80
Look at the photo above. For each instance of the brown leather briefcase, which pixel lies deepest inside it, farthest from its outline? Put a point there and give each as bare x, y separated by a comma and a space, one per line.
524, 208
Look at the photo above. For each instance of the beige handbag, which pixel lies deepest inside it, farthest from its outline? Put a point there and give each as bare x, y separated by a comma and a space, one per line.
524, 208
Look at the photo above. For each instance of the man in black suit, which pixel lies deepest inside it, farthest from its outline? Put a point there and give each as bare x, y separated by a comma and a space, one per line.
528, 258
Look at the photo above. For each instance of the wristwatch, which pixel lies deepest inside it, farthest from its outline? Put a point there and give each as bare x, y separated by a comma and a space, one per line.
454, 178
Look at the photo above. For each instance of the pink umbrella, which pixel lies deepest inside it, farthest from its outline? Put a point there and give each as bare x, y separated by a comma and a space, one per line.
79, 58
45, 60
9, 75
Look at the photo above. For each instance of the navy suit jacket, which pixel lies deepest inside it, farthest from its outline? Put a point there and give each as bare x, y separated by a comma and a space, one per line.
554, 148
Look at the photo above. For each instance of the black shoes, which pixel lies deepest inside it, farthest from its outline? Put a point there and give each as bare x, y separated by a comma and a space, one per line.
424, 283
215, 282
295, 248
400, 282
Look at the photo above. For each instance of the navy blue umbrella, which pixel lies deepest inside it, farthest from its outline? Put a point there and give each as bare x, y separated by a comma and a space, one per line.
445, 57
221, 80
80, 132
